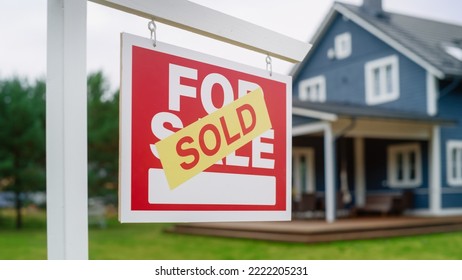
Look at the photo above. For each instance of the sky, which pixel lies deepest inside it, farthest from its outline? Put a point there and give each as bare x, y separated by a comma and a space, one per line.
23, 31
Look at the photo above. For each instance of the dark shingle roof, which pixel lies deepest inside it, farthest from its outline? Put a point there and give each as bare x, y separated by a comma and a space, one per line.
369, 112
425, 38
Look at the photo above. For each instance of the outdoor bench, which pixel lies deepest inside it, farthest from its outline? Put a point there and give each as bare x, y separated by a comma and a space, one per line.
386, 203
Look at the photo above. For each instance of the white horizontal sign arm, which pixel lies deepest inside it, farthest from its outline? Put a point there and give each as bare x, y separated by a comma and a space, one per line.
214, 24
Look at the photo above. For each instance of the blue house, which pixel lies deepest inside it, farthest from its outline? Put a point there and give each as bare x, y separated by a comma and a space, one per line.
378, 111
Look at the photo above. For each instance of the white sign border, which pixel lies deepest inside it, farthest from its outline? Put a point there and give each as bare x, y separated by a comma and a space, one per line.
125, 145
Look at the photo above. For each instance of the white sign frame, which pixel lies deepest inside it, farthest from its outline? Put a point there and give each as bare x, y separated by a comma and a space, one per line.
125, 195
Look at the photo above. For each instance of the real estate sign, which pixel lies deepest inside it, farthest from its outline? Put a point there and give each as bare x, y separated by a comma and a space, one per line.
202, 138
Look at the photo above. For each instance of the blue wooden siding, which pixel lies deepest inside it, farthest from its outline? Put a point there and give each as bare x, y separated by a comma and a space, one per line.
450, 106
376, 160
345, 79
452, 200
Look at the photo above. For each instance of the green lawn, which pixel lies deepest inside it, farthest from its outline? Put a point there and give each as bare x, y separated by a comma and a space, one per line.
149, 241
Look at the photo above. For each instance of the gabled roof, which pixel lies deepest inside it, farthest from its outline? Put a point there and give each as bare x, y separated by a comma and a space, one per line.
421, 40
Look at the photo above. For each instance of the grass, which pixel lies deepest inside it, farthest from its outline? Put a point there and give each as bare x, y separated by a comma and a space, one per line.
28, 243
149, 241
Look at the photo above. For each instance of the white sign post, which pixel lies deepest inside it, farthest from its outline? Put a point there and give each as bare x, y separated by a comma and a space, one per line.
66, 130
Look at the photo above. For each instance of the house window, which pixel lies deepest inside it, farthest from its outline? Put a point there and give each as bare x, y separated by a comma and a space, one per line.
454, 162
343, 45
303, 171
382, 80
313, 89
404, 165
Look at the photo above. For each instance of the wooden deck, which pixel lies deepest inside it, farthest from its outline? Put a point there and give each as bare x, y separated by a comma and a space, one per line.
314, 231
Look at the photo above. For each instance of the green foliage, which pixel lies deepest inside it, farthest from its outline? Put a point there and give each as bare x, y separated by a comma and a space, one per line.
22, 133
22, 138
103, 136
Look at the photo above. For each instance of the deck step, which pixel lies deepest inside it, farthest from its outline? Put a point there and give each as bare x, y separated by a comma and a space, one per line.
325, 233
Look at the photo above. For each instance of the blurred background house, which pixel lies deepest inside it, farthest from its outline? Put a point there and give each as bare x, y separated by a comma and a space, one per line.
377, 115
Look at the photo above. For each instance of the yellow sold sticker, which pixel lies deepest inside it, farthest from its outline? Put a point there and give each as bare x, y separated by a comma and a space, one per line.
201, 144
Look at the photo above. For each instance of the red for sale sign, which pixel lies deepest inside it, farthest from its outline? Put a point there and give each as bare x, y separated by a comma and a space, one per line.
202, 138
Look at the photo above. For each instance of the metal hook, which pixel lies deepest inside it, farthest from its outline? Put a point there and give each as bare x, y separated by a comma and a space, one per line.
269, 66
152, 27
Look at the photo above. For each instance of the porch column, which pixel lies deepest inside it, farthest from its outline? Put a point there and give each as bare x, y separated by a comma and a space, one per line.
435, 171
329, 171
360, 174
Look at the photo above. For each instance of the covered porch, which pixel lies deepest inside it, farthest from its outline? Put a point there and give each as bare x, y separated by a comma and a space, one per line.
345, 157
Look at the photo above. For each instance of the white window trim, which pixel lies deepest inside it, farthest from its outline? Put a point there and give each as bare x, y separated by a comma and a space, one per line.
383, 97
341, 40
311, 83
432, 94
451, 145
309, 157
392, 175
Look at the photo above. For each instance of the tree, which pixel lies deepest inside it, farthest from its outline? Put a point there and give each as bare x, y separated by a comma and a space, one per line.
22, 139
103, 136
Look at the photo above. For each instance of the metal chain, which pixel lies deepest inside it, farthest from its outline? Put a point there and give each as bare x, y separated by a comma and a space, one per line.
269, 65
152, 27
